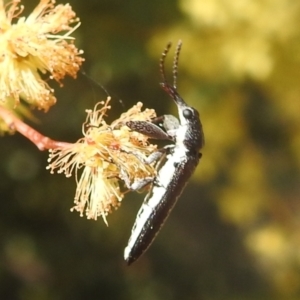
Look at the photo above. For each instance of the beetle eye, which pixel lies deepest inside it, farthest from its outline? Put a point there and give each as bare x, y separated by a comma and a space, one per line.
187, 113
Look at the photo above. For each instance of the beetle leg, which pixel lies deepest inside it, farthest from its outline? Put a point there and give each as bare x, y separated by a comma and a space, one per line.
153, 131
139, 183
149, 129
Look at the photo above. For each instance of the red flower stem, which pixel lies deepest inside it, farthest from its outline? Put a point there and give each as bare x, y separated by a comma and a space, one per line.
41, 141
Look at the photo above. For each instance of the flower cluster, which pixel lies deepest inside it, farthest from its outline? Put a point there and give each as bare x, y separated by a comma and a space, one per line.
36, 45
107, 153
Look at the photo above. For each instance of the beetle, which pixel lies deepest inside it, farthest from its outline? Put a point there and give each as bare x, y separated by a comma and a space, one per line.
176, 163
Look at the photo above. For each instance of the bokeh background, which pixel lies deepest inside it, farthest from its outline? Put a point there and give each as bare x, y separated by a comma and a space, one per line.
235, 233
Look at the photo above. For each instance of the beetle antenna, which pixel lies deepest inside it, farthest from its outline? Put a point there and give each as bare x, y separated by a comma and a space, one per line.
175, 63
162, 62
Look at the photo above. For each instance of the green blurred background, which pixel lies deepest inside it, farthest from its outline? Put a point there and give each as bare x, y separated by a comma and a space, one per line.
235, 233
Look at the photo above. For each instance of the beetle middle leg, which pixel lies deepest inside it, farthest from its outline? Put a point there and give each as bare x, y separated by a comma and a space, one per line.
139, 183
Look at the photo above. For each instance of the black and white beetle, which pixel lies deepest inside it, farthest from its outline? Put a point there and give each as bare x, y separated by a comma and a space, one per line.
174, 169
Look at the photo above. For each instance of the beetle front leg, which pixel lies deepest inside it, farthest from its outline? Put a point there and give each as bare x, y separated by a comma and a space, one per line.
153, 131
148, 129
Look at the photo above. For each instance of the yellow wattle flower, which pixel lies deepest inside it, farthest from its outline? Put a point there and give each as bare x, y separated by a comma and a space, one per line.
37, 44
106, 155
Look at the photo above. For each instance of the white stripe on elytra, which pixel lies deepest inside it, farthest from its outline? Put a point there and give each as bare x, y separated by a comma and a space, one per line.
164, 177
